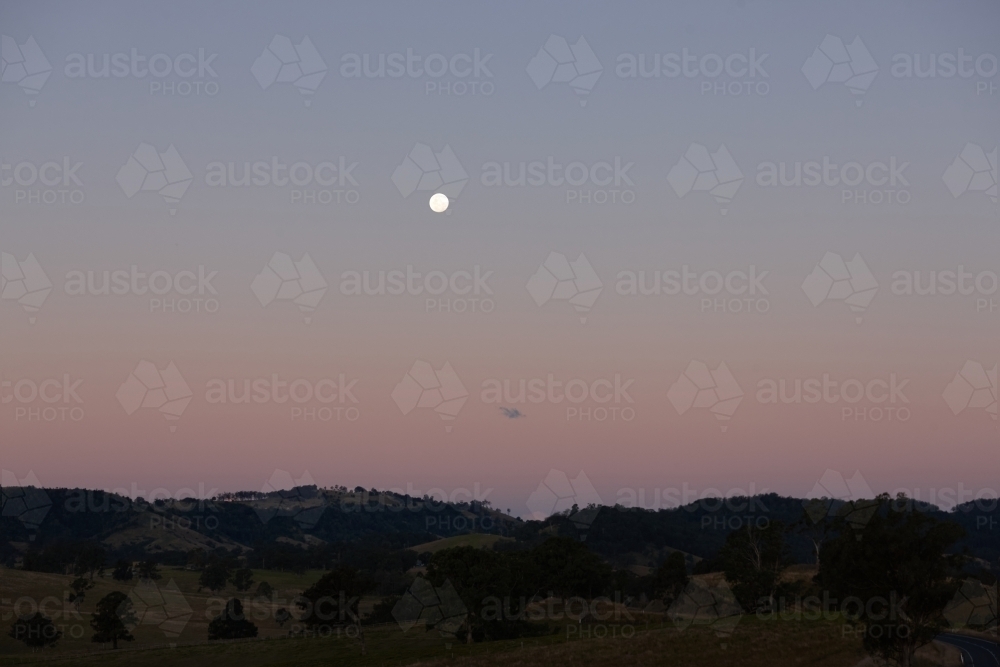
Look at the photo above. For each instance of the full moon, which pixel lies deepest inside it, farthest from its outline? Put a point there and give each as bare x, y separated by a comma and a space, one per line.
439, 202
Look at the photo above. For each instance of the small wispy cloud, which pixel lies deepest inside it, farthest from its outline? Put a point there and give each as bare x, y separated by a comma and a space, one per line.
511, 413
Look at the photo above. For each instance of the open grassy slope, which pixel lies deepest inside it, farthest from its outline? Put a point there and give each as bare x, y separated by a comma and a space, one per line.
753, 643
481, 540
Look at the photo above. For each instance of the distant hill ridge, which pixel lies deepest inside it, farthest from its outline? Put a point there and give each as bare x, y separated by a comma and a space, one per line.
307, 516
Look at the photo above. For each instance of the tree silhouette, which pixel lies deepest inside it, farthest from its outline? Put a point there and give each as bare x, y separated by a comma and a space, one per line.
122, 571
231, 623
89, 560
36, 631
148, 570
242, 579
333, 601
112, 618
753, 559
814, 524
899, 567
264, 590
80, 587
214, 577
671, 577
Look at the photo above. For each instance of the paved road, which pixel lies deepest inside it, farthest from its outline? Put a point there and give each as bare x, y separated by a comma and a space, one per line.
975, 652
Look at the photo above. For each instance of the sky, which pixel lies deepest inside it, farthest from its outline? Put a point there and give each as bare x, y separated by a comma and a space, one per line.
659, 262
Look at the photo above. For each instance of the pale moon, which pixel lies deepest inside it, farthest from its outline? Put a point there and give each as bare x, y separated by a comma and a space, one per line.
439, 202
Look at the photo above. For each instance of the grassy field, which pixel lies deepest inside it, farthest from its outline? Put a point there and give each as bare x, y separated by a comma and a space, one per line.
753, 643
647, 640
22, 592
